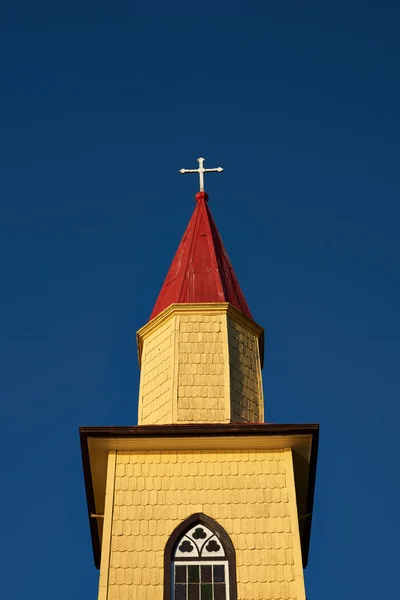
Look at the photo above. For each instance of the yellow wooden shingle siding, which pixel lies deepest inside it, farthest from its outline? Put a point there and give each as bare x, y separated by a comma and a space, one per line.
200, 368
245, 491
201, 389
156, 377
107, 527
247, 403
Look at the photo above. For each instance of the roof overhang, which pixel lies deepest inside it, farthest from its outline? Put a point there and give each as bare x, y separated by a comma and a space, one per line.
97, 442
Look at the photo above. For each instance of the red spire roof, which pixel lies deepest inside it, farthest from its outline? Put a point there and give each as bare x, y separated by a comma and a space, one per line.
201, 270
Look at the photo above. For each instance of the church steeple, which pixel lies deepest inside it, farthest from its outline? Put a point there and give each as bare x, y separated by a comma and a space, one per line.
202, 500
201, 340
201, 270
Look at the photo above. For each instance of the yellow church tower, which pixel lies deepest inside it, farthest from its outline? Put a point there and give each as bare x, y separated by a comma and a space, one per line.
202, 500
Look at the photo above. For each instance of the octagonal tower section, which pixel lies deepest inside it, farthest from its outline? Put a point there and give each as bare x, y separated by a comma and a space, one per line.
200, 363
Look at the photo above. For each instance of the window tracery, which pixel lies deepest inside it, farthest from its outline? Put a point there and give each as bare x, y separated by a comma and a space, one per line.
201, 562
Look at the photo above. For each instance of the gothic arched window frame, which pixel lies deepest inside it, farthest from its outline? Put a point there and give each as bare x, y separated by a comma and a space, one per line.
218, 532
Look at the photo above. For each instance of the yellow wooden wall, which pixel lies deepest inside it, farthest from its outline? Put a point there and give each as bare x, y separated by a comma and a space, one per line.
200, 367
250, 493
247, 403
201, 382
156, 377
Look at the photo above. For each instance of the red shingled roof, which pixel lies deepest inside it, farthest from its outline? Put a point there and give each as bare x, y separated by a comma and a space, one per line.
201, 270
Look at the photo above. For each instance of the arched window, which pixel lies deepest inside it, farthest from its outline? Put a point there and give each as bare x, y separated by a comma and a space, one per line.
199, 562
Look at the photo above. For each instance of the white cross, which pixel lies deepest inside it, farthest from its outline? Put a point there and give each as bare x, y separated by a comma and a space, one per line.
201, 170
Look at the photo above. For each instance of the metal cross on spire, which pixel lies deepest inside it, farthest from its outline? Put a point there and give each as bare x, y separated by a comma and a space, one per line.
201, 170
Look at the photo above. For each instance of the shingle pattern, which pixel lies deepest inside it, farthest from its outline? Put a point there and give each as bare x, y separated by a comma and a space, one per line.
199, 368
201, 392
155, 395
245, 491
245, 372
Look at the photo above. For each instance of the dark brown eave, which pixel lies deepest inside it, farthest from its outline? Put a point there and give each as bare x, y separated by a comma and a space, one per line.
143, 432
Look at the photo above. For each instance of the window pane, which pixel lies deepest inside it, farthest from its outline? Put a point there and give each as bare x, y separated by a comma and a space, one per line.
219, 573
194, 591
206, 573
206, 591
219, 591
193, 573
180, 591
180, 574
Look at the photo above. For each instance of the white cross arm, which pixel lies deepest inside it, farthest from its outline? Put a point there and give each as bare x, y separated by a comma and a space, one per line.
201, 170
217, 169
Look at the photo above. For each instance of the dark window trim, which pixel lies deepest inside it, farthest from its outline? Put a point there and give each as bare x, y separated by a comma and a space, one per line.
224, 538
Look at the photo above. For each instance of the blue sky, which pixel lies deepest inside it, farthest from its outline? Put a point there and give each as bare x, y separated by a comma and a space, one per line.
101, 104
